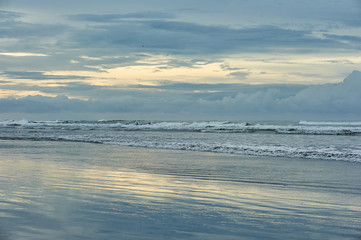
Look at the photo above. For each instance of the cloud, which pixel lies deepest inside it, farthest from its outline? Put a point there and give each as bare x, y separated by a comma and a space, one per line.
106, 18
91, 58
337, 101
90, 41
34, 46
342, 98
20, 29
6, 15
182, 38
351, 40
37, 76
162, 39
306, 75
227, 67
239, 74
41, 104
22, 54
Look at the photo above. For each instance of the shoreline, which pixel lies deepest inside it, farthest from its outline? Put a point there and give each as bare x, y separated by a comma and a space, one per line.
181, 149
143, 193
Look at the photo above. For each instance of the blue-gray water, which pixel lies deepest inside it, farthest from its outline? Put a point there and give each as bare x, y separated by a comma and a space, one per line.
58, 182
317, 140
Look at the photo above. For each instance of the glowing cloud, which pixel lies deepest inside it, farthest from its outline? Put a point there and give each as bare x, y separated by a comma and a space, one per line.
23, 54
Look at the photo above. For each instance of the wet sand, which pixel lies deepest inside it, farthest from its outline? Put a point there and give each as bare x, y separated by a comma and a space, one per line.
66, 190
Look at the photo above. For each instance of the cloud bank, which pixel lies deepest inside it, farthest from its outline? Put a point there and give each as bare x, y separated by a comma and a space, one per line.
197, 101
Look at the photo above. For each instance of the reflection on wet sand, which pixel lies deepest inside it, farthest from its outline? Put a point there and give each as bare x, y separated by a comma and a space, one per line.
57, 196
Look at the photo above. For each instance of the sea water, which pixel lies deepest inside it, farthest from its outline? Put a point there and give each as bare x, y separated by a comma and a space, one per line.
238, 180
305, 139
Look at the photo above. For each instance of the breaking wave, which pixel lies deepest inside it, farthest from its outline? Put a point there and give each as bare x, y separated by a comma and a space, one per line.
314, 152
321, 140
303, 127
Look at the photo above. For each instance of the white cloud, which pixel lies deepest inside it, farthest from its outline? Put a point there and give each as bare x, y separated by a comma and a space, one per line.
23, 54
91, 58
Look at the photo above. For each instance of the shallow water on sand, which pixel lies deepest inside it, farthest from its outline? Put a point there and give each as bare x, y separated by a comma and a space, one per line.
64, 190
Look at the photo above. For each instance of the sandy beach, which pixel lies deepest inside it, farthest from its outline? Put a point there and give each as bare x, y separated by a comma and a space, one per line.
67, 190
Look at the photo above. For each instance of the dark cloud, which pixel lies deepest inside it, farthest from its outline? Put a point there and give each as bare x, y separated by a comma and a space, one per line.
6, 15
52, 62
41, 104
19, 29
352, 40
37, 76
104, 18
181, 38
128, 34
227, 67
188, 63
239, 75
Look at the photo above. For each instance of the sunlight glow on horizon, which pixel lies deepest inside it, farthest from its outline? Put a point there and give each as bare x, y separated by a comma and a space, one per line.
260, 69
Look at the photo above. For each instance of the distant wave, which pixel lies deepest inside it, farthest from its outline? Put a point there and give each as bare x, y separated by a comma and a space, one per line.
330, 123
303, 127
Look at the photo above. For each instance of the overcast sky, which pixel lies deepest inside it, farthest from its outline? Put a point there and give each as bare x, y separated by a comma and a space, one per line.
189, 59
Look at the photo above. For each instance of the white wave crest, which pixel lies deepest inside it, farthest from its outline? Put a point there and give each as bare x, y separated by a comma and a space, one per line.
330, 123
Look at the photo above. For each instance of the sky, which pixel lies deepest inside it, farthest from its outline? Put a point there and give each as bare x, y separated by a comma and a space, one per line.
180, 60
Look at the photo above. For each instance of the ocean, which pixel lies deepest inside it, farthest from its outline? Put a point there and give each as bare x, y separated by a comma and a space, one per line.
148, 180
339, 141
